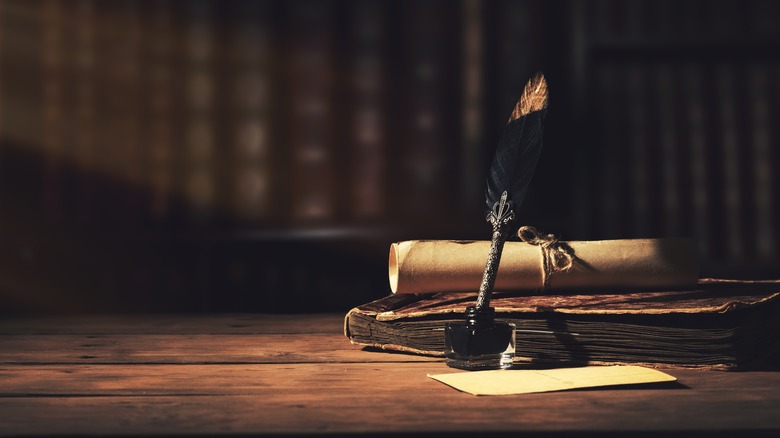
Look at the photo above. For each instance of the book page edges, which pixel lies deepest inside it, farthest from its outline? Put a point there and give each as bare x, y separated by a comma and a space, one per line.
547, 303
392, 316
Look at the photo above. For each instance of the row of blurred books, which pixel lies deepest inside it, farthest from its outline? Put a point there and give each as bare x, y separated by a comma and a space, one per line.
267, 121
248, 114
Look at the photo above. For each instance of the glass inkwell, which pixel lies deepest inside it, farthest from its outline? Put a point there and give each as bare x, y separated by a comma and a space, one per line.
480, 342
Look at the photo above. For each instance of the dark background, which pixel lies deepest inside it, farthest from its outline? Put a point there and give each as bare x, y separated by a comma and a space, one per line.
261, 156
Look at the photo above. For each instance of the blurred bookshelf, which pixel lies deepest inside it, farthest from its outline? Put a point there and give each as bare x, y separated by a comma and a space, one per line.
203, 156
681, 94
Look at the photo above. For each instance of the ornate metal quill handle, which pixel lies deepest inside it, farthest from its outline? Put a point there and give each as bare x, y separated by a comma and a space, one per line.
499, 218
511, 171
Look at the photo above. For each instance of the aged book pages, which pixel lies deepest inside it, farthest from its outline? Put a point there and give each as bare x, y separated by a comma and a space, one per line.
427, 266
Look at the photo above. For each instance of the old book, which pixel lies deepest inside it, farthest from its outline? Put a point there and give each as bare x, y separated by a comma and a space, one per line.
118, 155
428, 176
732, 155
199, 156
85, 126
718, 324
312, 79
696, 141
159, 79
667, 163
53, 114
251, 170
639, 152
760, 97
473, 95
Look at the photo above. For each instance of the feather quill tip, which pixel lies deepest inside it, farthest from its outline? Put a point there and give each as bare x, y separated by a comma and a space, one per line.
534, 97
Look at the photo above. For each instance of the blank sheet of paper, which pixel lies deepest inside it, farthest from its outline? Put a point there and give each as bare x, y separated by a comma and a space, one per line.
505, 382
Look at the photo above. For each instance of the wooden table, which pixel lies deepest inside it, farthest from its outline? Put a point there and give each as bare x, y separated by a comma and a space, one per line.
298, 374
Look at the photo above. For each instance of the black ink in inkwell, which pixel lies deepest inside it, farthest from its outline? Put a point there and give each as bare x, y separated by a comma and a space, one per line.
480, 341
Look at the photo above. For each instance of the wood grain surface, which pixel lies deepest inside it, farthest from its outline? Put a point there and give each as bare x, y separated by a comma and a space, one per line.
258, 375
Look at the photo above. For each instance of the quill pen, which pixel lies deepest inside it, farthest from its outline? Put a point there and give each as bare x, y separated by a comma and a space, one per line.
510, 174
481, 342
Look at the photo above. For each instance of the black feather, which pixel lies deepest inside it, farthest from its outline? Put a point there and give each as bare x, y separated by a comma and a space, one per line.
515, 161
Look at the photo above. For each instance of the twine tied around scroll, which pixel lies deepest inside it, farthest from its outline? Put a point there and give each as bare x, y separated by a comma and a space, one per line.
557, 256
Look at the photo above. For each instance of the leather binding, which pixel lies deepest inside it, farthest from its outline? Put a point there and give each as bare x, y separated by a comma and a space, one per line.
716, 324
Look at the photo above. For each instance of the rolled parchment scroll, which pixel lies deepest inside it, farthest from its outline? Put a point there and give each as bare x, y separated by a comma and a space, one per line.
428, 266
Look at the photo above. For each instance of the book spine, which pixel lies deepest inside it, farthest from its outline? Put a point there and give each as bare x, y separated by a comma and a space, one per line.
159, 153
600, 19
694, 13
682, 135
611, 152
516, 28
199, 186
3, 201
115, 125
2, 45
473, 105
763, 19
52, 75
251, 106
84, 137
765, 234
667, 131
723, 18
633, 24
656, 164
368, 166
311, 93
731, 158
664, 20
773, 208
637, 143
582, 199
692, 84
128, 71
429, 186
22, 77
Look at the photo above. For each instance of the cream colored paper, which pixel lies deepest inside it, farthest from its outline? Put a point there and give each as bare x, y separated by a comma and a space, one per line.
506, 382
426, 266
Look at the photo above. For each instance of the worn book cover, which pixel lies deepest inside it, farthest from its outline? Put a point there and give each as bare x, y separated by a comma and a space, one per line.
717, 324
